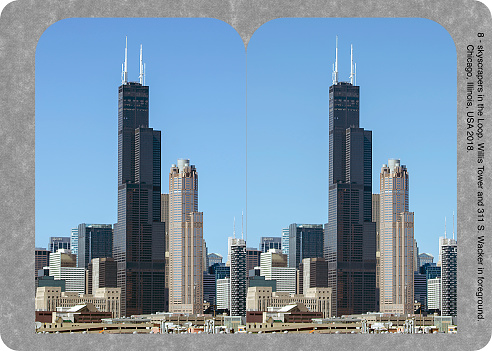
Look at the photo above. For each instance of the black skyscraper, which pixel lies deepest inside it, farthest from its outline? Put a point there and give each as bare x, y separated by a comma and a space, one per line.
139, 242
94, 241
350, 236
305, 241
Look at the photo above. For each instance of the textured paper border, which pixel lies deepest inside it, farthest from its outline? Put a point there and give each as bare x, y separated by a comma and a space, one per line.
21, 24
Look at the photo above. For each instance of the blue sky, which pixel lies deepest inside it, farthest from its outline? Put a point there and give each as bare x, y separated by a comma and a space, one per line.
196, 70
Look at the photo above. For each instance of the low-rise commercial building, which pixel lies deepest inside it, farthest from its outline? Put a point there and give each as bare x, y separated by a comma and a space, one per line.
104, 299
315, 299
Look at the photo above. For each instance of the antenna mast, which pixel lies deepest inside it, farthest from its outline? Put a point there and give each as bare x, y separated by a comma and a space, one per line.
453, 225
124, 79
234, 230
335, 70
352, 71
141, 76
444, 227
241, 224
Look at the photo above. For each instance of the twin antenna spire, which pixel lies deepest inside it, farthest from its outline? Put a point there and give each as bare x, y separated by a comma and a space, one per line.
124, 66
353, 66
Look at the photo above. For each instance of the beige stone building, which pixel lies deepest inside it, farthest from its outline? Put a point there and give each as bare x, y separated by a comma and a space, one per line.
316, 299
104, 299
185, 240
396, 271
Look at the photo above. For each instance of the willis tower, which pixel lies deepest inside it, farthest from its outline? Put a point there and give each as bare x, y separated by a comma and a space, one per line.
139, 240
350, 235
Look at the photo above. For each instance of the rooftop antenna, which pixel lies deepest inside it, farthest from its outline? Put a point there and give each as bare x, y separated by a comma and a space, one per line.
444, 227
335, 69
241, 224
141, 76
234, 230
124, 79
453, 225
351, 65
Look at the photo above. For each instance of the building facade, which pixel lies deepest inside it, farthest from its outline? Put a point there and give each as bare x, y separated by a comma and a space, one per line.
94, 240
305, 241
139, 237
285, 243
313, 273
252, 258
273, 266
270, 242
425, 258
238, 278
41, 259
214, 258
74, 241
223, 294
59, 242
165, 220
104, 299
350, 236
449, 276
209, 288
315, 299
102, 273
185, 240
420, 289
375, 219
63, 267
396, 241
434, 296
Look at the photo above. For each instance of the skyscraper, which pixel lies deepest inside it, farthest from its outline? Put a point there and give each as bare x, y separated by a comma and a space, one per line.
165, 219
41, 259
350, 237
139, 238
94, 240
396, 285
285, 243
270, 242
375, 219
101, 274
313, 273
185, 240
223, 293
252, 258
57, 243
425, 258
74, 241
449, 276
63, 267
305, 241
214, 258
273, 266
434, 296
238, 278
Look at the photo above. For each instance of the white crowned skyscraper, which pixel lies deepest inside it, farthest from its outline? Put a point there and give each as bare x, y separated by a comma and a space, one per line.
185, 240
396, 241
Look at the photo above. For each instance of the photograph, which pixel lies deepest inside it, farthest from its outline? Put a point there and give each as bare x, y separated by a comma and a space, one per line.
315, 210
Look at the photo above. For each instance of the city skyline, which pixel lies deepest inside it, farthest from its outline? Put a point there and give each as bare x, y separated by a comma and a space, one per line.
213, 232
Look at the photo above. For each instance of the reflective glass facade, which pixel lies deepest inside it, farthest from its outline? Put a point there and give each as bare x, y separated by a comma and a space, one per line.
94, 241
305, 241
